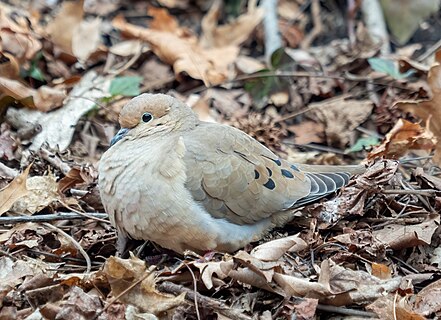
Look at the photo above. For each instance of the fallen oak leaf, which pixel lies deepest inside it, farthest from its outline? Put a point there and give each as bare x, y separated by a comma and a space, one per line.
404, 136
232, 33
429, 110
43, 99
399, 236
184, 53
14, 191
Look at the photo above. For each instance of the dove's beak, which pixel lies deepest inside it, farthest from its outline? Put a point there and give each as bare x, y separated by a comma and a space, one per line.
121, 133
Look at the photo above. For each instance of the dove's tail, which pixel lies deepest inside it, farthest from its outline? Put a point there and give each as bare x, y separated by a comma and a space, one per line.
326, 180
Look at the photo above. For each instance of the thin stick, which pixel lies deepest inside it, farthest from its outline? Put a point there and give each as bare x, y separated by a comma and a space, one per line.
422, 192
74, 242
84, 214
54, 160
346, 311
53, 217
220, 307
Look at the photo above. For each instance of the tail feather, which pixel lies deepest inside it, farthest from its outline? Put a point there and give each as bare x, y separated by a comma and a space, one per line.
326, 180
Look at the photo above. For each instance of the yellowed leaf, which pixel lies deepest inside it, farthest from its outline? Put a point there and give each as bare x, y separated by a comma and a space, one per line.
381, 271
14, 191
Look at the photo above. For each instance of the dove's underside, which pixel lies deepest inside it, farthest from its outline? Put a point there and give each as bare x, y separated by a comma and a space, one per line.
202, 186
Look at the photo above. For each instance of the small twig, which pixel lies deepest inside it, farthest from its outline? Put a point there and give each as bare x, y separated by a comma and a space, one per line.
318, 26
273, 40
219, 306
408, 266
84, 214
6, 172
430, 51
395, 305
422, 192
346, 311
53, 217
195, 289
74, 242
375, 24
54, 160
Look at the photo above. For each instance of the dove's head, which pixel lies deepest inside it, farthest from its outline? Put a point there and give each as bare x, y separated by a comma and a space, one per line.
148, 114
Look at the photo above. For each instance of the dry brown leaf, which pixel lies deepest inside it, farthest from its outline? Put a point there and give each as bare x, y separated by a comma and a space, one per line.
340, 118
353, 286
353, 197
388, 308
428, 300
41, 193
17, 34
381, 271
121, 273
403, 137
208, 269
62, 28
274, 250
429, 110
298, 287
399, 236
44, 98
162, 21
14, 191
9, 67
86, 40
184, 53
80, 305
233, 33
307, 132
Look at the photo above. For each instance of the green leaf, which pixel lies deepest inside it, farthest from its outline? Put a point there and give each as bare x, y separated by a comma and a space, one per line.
363, 143
389, 67
36, 73
125, 86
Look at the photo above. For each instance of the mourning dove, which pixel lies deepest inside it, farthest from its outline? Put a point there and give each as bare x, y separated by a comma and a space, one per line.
188, 184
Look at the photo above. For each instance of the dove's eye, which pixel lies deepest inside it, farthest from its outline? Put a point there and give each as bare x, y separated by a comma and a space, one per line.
146, 117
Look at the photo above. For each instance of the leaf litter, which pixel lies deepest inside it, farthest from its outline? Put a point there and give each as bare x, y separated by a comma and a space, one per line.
370, 250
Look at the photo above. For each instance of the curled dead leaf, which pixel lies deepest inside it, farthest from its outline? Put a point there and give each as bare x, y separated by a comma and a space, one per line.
274, 250
44, 98
340, 118
184, 53
402, 138
121, 273
14, 191
429, 110
232, 33
399, 236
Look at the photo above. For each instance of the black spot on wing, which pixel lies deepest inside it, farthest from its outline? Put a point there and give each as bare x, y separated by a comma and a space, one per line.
270, 173
287, 174
270, 184
256, 174
278, 162
294, 168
